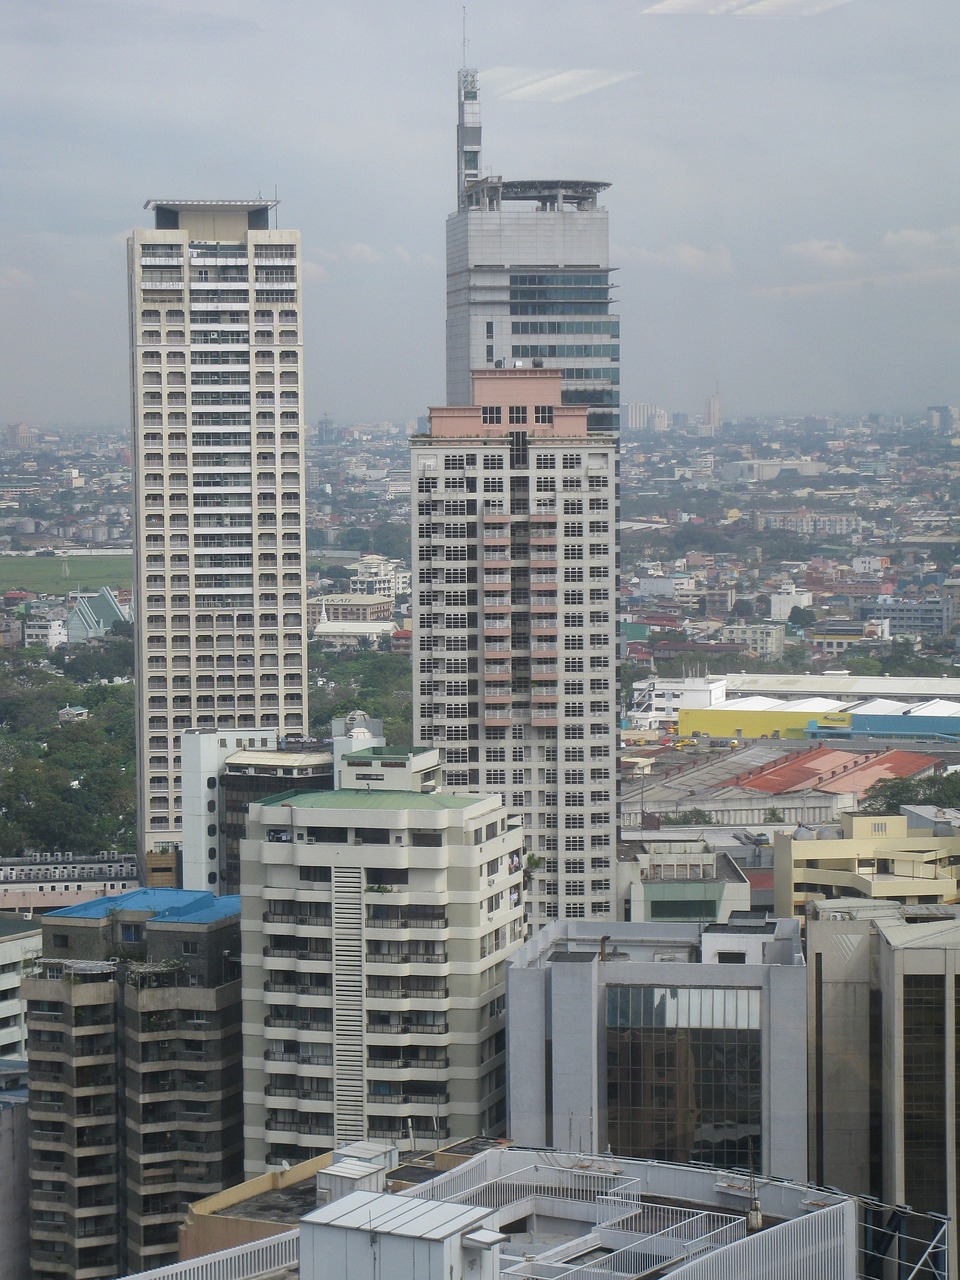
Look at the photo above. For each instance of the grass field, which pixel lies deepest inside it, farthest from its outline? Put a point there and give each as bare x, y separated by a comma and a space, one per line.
46, 573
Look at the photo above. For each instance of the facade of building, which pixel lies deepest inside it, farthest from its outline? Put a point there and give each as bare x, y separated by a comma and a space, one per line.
47, 632
135, 1090
378, 918
215, 323
224, 774
764, 640
529, 279
375, 575
669, 879
932, 615
884, 1052
672, 1042
870, 857
349, 607
19, 948
515, 511
42, 881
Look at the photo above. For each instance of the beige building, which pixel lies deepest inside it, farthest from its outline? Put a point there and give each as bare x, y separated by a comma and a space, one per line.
760, 638
19, 949
515, 622
864, 857
377, 921
349, 607
215, 324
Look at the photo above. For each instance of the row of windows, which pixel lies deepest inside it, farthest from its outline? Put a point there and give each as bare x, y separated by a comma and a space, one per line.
574, 351
609, 328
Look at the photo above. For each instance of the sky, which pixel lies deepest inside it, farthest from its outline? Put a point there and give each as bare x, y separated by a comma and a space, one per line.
784, 201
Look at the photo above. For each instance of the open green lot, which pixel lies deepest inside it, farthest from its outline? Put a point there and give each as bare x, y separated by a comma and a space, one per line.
46, 573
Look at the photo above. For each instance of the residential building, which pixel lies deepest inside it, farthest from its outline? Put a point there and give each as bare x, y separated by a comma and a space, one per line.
836, 635
42, 881
927, 615
47, 631
810, 523
529, 279
784, 601
763, 639
215, 324
377, 921
865, 857
225, 773
662, 1041
374, 575
19, 948
135, 1091
522, 1213
515, 621
883, 994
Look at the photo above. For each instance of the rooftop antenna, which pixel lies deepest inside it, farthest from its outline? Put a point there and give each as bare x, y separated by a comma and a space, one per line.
463, 48
276, 201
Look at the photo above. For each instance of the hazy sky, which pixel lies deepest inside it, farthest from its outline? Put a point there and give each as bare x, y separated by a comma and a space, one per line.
784, 208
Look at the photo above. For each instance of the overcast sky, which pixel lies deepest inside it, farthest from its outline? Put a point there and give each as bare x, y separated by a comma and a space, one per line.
784, 208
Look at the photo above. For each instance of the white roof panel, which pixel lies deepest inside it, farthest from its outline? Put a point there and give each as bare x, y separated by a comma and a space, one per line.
399, 1215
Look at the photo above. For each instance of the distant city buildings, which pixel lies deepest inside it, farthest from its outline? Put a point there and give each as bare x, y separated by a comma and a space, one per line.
215, 323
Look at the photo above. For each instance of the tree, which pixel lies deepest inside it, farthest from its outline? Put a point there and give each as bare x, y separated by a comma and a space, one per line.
773, 814
800, 617
742, 608
687, 818
763, 605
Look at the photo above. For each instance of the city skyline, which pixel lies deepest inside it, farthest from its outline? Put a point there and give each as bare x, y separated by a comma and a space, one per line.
785, 224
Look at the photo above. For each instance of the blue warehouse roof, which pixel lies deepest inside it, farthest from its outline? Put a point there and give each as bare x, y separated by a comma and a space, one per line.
171, 906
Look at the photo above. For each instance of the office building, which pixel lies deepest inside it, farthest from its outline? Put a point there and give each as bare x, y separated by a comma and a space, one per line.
215, 324
515, 511
663, 1041
134, 1051
377, 921
529, 278
928, 615
14, 1175
883, 1005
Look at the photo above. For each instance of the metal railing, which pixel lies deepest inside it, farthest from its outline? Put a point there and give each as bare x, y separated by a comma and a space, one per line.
277, 1253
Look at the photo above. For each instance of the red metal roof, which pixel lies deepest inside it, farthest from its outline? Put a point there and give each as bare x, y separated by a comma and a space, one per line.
837, 772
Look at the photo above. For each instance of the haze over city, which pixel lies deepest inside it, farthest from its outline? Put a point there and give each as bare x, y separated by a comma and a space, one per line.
783, 202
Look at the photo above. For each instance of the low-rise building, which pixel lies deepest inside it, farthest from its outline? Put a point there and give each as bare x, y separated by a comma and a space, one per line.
866, 857
42, 881
663, 878
763, 639
377, 920
662, 1041
927, 615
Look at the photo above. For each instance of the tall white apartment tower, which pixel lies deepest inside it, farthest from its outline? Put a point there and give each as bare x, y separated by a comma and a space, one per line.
515, 623
529, 278
216, 374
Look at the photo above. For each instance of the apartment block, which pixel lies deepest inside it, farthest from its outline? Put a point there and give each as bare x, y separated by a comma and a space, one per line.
216, 360
515, 511
377, 921
675, 1042
134, 1078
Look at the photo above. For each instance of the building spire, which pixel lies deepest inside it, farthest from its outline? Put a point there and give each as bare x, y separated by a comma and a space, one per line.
468, 125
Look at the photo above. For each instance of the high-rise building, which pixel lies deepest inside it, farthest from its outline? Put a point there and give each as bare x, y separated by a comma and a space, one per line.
215, 323
884, 1052
529, 278
135, 1090
669, 1041
515, 510
377, 920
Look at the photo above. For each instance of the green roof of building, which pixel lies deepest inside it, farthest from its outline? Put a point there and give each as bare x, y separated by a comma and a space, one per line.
347, 798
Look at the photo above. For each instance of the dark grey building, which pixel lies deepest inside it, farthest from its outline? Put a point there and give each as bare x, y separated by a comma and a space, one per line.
134, 1054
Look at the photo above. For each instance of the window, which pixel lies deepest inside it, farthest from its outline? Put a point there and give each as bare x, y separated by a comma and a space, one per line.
190, 947
543, 413
518, 415
491, 415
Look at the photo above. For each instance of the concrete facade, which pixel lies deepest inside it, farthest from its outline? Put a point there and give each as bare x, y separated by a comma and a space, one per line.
515, 516
377, 921
571, 994
217, 354
19, 948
